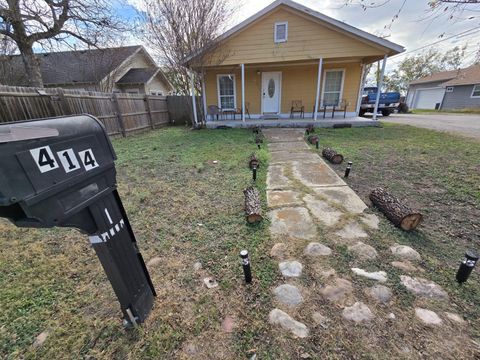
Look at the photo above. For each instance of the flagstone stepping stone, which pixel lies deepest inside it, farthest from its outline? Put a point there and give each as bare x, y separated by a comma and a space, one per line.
376, 275
380, 293
279, 317
289, 145
279, 250
344, 196
276, 178
290, 268
283, 135
40, 339
340, 292
327, 214
405, 252
228, 324
371, 220
351, 231
288, 294
363, 251
405, 266
428, 317
317, 249
276, 198
358, 312
455, 317
293, 221
319, 319
423, 287
318, 174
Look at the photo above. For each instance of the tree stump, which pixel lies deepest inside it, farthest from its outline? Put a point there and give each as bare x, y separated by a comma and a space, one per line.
253, 162
399, 214
332, 156
252, 205
312, 139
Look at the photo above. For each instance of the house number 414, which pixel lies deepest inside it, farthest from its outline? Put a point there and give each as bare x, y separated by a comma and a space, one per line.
46, 160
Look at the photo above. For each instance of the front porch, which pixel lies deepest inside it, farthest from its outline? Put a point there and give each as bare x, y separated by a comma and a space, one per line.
293, 123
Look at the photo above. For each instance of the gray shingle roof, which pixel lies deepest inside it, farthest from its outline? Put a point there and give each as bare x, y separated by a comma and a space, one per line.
81, 66
138, 76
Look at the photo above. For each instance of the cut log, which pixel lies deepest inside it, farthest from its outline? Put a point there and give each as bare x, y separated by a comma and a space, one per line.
253, 162
252, 205
332, 156
312, 139
310, 129
399, 214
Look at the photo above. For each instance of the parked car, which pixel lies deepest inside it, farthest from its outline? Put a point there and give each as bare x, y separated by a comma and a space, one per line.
388, 101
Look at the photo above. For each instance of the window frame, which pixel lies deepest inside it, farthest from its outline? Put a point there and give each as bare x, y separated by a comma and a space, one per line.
234, 92
276, 41
325, 79
473, 91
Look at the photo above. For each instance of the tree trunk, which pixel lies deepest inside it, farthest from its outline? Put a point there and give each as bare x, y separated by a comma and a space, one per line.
332, 156
32, 66
399, 214
252, 205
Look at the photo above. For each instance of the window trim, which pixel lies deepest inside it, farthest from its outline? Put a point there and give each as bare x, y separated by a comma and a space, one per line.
234, 91
473, 91
275, 32
325, 78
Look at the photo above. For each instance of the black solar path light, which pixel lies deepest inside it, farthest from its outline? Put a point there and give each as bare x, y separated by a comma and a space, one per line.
347, 170
466, 266
247, 271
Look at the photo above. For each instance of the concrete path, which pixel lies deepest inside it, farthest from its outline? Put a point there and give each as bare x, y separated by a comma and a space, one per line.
463, 124
315, 215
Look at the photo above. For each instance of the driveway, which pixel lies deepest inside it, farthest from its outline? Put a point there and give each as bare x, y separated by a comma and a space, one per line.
466, 125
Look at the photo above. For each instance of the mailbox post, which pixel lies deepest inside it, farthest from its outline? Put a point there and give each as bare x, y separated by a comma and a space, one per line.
61, 172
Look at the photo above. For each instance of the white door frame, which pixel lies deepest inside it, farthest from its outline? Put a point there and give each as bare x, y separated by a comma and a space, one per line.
279, 90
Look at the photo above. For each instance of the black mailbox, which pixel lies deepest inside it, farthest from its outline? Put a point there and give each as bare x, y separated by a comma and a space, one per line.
61, 172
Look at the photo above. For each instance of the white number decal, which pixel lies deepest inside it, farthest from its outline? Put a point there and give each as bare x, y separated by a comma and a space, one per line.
44, 159
69, 160
88, 159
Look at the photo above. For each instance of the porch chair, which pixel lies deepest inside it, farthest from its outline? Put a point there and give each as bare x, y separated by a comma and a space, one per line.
297, 107
214, 110
238, 111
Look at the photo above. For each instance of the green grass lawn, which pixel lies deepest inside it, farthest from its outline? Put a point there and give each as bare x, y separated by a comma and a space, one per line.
184, 209
453, 112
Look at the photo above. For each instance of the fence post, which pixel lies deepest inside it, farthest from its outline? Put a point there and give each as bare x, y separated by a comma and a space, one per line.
119, 114
149, 111
63, 102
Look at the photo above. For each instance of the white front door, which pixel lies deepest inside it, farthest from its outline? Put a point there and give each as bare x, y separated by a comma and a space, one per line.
271, 92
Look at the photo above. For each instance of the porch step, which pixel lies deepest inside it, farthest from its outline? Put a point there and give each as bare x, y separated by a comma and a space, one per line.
270, 117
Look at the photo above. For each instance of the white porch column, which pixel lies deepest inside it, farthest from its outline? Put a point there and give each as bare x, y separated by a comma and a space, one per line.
360, 89
379, 90
317, 96
204, 97
243, 92
192, 91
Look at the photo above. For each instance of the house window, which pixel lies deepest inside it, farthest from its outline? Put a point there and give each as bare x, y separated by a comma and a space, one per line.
476, 91
332, 87
281, 32
449, 89
226, 92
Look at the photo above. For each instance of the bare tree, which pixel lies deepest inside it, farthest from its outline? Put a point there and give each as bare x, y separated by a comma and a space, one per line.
179, 28
41, 22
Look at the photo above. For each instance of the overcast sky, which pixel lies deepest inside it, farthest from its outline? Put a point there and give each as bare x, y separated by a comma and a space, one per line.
414, 28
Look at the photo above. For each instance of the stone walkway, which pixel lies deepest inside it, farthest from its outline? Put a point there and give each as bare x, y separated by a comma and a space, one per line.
308, 202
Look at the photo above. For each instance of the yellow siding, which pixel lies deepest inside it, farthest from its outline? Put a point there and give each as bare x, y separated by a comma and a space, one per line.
298, 83
307, 39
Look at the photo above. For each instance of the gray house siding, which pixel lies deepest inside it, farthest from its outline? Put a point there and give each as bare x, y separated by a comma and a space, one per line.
460, 98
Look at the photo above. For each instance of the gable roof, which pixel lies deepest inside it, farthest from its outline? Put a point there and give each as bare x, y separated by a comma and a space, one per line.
138, 76
336, 24
439, 76
73, 67
468, 76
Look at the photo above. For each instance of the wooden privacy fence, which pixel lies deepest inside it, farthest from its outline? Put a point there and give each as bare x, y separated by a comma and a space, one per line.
181, 110
120, 113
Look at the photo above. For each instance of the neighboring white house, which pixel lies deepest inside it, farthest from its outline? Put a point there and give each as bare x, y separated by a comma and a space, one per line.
447, 90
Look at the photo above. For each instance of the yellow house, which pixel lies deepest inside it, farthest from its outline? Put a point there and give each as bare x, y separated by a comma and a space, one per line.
285, 56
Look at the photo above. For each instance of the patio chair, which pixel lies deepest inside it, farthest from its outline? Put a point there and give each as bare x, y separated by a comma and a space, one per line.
297, 107
214, 110
238, 111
